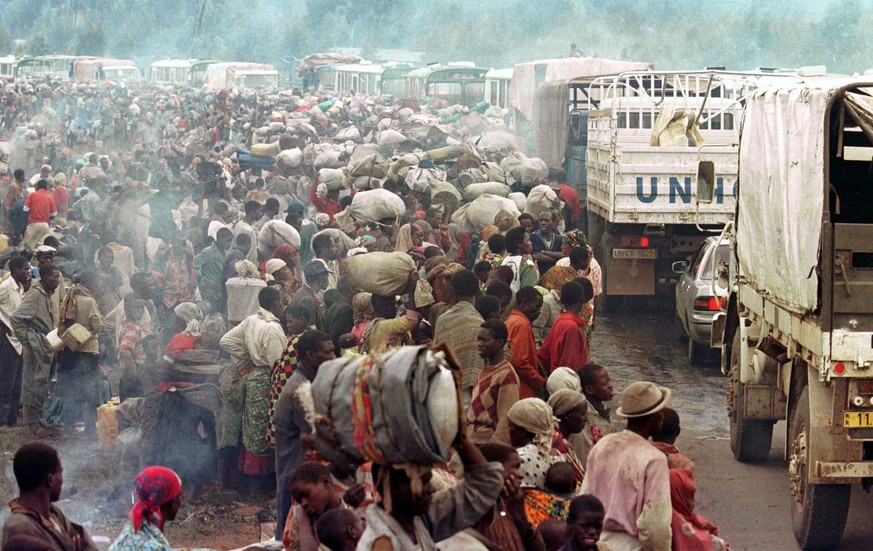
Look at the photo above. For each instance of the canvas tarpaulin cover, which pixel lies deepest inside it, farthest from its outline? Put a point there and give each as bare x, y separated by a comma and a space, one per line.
527, 77
781, 193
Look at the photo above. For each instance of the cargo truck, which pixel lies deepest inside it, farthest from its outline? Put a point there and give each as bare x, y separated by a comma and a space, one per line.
648, 132
797, 335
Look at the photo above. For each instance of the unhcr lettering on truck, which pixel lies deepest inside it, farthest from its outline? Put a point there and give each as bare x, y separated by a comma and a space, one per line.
678, 189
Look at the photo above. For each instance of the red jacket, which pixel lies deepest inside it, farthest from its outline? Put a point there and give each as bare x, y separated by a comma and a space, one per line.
524, 354
565, 346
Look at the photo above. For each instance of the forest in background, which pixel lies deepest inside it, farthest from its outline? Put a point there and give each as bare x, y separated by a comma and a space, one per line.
672, 34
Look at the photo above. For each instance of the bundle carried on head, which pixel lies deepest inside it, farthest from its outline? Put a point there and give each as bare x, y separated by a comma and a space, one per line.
396, 407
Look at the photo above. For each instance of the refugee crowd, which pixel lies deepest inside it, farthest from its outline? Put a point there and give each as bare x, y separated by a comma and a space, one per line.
211, 255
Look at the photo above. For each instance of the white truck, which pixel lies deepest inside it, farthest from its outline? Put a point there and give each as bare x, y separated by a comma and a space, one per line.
648, 134
797, 336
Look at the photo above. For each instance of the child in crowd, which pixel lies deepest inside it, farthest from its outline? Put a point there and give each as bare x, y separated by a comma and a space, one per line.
584, 523
561, 480
339, 529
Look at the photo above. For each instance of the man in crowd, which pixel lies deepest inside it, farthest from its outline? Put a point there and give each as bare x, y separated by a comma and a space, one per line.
36, 317
528, 302
12, 292
35, 522
458, 328
289, 418
566, 345
210, 269
40, 209
630, 476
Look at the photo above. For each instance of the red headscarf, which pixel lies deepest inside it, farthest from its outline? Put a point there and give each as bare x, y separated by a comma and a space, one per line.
286, 252
691, 532
154, 487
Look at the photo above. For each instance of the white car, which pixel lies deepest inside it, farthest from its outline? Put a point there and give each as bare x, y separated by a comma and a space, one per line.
700, 295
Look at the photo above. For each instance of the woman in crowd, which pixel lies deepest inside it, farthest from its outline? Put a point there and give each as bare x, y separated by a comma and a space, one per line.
531, 427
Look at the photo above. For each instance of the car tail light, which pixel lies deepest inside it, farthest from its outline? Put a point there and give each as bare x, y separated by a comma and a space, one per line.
634, 241
708, 304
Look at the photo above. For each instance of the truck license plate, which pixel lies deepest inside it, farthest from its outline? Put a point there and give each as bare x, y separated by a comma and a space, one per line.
858, 419
635, 254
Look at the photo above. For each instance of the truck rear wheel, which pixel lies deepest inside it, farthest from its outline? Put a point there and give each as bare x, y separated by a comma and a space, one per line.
750, 438
819, 511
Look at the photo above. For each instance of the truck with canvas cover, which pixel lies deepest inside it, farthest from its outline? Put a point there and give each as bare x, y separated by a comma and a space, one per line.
796, 336
648, 132
235, 74
105, 68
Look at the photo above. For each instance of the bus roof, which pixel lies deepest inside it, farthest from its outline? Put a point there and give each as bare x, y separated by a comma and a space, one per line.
500, 74
172, 63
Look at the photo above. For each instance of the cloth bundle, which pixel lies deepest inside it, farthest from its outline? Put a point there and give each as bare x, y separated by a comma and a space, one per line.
385, 274
397, 407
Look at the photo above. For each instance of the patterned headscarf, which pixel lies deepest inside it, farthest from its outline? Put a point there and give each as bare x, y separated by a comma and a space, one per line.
557, 276
535, 416
576, 238
155, 486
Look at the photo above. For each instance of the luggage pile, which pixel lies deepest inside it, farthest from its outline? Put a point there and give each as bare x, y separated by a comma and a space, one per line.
398, 407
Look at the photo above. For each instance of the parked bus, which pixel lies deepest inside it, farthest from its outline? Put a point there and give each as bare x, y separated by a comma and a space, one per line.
497, 87
197, 74
52, 66
393, 81
460, 82
171, 72
7, 66
363, 78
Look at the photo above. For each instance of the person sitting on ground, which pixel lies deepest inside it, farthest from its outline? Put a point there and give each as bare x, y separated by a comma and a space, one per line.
33, 517
665, 440
495, 391
339, 529
159, 498
313, 492
584, 524
690, 531
531, 425
411, 516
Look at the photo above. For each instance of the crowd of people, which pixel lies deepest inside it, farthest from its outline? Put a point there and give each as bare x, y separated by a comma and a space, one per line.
172, 245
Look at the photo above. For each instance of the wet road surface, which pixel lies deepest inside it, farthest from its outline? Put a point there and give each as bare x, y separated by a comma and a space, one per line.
749, 503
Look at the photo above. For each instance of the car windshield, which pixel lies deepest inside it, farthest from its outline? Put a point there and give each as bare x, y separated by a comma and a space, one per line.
722, 254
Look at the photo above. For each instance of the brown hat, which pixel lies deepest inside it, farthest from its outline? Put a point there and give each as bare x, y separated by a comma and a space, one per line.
643, 398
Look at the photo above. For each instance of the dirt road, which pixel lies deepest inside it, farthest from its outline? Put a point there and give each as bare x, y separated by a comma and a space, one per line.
749, 503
